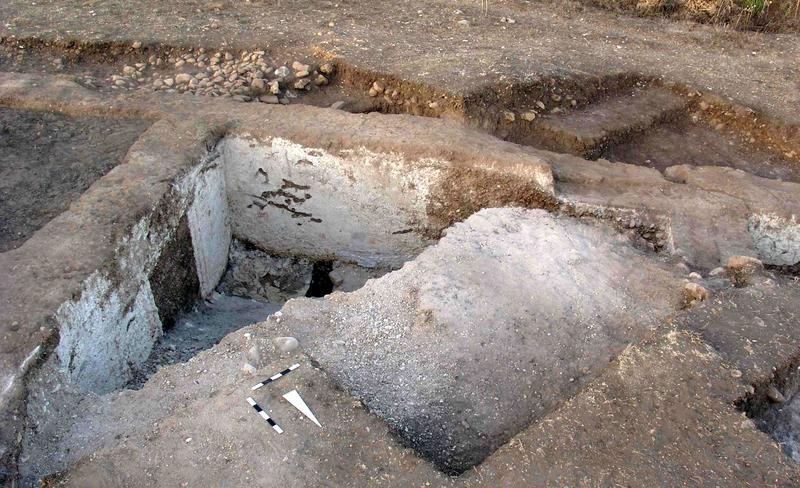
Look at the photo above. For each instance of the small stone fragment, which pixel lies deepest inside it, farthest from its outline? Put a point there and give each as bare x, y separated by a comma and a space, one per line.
740, 269
183, 78
509, 116
286, 344
271, 99
774, 395
529, 116
253, 356
321, 80
282, 72
136, 44
378, 87
326, 69
735, 373
274, 87
695, 276
298, 66
694, 293
716, 271
302, 83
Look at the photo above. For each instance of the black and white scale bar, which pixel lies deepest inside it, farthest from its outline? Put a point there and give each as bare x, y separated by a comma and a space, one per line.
264, 415
276, 376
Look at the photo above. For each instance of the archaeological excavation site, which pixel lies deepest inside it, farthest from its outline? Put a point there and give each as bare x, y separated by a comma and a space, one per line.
433, 243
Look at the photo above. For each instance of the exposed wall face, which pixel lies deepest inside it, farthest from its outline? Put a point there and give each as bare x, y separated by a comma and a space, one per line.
110, 330
367, 208
359, 206
777, 239
209, 224
356, 206
94, 350
114, 323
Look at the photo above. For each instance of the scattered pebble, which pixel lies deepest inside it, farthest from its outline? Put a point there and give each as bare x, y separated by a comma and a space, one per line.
286, 344
694, 293
253, 356
774, 395
740, 269
249, 369
717, 271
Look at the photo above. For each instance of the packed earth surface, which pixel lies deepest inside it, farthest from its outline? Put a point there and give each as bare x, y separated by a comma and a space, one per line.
425, 243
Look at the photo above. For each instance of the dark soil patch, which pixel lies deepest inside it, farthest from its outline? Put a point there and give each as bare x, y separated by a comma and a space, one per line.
47, 160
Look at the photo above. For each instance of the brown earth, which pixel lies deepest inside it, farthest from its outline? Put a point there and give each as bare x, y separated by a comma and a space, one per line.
47, 160
671, 109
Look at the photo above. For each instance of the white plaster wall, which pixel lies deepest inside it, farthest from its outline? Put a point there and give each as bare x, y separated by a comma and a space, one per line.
104, 336
110, 330
776, 238
357, 205
209, 225
114, 324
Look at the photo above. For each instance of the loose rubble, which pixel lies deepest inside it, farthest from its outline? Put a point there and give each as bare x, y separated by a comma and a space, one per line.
250, 76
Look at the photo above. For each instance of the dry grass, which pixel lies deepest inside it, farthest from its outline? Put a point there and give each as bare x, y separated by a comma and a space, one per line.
766, 15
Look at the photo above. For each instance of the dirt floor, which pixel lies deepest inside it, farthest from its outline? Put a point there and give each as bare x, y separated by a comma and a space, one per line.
47, 160
686, 142
341, 168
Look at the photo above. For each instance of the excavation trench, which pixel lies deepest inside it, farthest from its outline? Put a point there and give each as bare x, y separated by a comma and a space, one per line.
284, 201
252, 225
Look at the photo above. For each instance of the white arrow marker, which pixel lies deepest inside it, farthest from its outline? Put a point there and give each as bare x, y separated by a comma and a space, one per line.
294, 398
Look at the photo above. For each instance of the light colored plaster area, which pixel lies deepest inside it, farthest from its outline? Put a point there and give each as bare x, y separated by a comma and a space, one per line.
776, 238
110, 329
209, 224
358, 206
